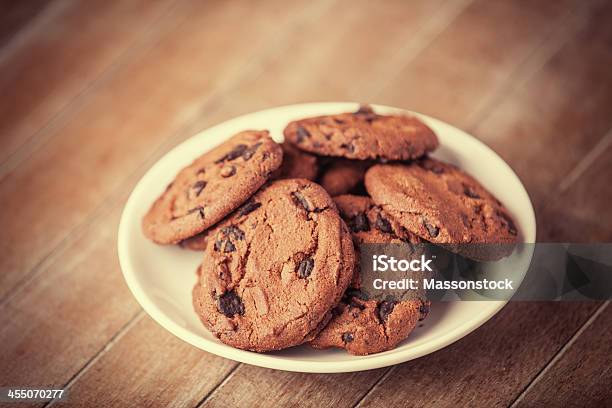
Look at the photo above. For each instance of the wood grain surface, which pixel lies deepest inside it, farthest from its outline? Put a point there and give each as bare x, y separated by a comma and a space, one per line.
95, 92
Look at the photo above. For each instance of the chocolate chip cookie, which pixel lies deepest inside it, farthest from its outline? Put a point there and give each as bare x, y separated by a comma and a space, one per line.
442, 204
344, 176
370, 224
275, 268
361, 325
363, 135
211, 187
297, 164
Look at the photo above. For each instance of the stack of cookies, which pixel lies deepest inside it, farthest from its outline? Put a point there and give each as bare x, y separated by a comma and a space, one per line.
280, 226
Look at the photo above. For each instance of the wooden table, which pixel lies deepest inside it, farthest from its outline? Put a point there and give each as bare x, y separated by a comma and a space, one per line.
94, 92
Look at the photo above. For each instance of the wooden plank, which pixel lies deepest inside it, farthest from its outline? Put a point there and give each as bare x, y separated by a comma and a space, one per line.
584, 208
83, 275
258, 378
350, 47
507, 367
251, 386
129, 118
581, 376
86, 303
490, 366
51, 330
300, 59
59, 347
159, 370
51, 71
466, 64
15, 15
545, 126
47, 358
166, 372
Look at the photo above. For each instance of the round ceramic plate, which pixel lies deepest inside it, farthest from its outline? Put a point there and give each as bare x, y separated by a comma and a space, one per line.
161, 277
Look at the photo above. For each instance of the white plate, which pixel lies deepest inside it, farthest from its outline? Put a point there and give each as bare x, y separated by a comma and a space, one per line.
161, 278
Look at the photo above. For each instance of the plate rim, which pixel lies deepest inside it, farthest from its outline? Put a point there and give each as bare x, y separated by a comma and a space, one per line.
372, 361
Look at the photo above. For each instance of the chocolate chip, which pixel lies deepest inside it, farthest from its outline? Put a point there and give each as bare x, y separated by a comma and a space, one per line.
382, 224
431, 229
224, 245
339, 121
229, 246
235, 153
233, 232
350, 147
248, 153
466, 221
384, 309
219, 244
230, 304
359, 223
302, 134
364, 110
423, 310
305, 268
198, 187
249, 207
467, 190
199, 210
228, 171
367, 113
228, 233
299, 199
347, 337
